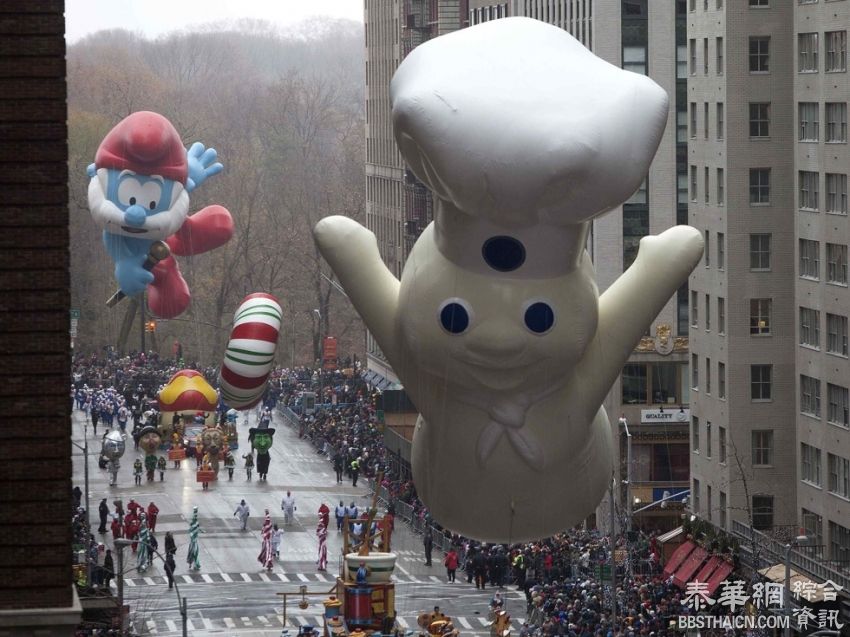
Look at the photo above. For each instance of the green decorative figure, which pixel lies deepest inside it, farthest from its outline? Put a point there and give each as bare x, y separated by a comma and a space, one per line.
149, 440
143, 555
193, 556
261, 439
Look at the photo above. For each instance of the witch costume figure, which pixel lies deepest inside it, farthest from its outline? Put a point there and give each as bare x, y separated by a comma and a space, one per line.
266, 556
261, 439
193, 555
322, 534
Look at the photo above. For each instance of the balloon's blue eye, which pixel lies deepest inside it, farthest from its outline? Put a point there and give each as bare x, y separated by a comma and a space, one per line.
503, 254
454, 318
539, 317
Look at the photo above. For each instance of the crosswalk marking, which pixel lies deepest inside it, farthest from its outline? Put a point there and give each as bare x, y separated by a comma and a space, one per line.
226, 577
434, 578
303, 577
229, 623
301, 620
402, 622
151, 625
282, 577
484, 622
207, 623
246, 621
463, 622
322, 578
171, 625
206, 577
264, 620
246, 577
187, 579
189, 625
265, 577
129, 582
149, 581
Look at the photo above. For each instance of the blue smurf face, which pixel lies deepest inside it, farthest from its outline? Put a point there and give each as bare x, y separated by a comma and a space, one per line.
126, 188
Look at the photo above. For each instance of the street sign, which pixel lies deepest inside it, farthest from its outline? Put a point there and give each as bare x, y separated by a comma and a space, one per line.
75, 314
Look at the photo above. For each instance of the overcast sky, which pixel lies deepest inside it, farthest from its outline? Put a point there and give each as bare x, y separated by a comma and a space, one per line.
156, 17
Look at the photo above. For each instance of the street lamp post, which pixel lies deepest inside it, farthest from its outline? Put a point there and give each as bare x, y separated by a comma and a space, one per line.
629, 512
85, 449
321, 354
122, 543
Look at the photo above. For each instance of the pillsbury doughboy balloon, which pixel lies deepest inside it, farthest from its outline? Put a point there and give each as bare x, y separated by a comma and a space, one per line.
496, 328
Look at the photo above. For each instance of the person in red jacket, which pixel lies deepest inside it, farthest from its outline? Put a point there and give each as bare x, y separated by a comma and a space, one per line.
131, 531
153, 511
324, 514
133, 506
451, 563
117, 529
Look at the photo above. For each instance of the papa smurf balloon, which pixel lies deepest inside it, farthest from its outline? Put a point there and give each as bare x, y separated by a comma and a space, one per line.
139, 194
496, 328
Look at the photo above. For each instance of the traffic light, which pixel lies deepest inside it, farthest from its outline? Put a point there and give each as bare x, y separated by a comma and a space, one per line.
150, 326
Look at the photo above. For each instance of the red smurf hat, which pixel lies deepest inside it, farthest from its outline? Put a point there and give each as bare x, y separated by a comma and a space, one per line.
146, 143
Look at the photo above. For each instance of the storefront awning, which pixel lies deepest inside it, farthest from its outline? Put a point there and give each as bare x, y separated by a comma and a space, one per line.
689, 567
708, 568
719, 574
776, 573
678, 557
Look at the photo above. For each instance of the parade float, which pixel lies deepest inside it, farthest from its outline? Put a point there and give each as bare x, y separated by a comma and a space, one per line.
496, 326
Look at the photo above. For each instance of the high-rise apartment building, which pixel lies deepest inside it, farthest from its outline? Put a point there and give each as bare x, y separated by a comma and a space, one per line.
398, 206
741, 183
821, 158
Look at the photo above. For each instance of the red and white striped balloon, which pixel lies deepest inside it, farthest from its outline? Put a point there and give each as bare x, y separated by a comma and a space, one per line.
249, 356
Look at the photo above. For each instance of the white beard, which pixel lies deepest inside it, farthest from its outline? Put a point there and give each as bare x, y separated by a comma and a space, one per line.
109, 217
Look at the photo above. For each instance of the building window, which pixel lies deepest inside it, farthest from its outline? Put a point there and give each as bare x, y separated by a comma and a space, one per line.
695, 494
762, 512
762, 447
681, 62
839, 543
759, 119
695, 372
721, 315
807, 52
721, 251
706, 254
836, 51
634, 384
682, 310
838, 405
808, 189
839, 475
708, 511
721, 122
693, 183
705, 186
696, 434
705, 56
693, 120
692, 56
810, 396
634, 59
836, 193
759, 54
808, 115
836, 263
813, 525
719, 55
722, 507
809, 259
721, 380
708, 375
759, 186
760, 311
761, 377
708, 439
692, 5
721, 444
694, 309
810, 464
809, 327
655, 383
760, 252
721, 189
836, 334
759, 3
836, 121
707, 312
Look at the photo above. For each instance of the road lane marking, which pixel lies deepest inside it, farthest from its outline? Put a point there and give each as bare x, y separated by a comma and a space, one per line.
322, 577
463, 622
172, 627
264, 577
206, 577
402, 622
303, 577
229, 623
246, 577
226, 577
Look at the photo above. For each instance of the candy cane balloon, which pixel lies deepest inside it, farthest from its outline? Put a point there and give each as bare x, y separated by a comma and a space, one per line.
250, 351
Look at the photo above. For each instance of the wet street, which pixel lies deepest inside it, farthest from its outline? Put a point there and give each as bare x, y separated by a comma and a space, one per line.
232, 594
